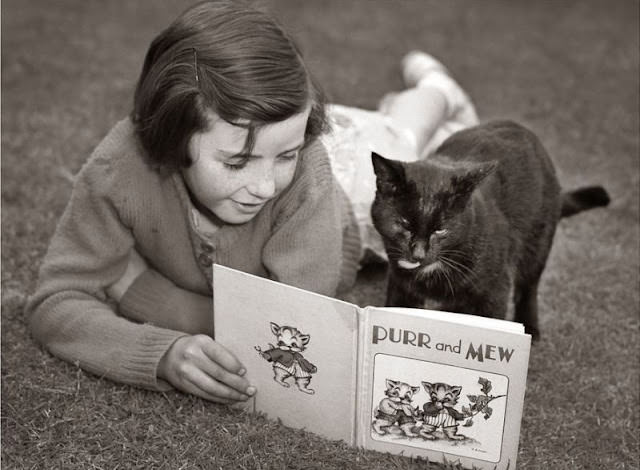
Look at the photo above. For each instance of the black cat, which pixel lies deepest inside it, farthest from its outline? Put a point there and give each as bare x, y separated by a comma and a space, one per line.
475, 220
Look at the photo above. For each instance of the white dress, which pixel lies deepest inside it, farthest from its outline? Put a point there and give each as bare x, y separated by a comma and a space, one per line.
356, 133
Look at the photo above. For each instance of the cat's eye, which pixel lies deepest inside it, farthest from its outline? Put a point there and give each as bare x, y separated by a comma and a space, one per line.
443, 232
402, 224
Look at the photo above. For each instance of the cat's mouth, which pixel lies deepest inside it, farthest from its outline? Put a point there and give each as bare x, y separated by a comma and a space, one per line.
404, 264
428, 269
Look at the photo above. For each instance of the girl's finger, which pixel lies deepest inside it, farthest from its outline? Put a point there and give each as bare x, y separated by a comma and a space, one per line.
192, 389
213, 390
221, 355
222, 375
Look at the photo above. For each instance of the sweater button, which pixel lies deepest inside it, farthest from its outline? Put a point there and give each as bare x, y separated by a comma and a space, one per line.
207, 248
205, 260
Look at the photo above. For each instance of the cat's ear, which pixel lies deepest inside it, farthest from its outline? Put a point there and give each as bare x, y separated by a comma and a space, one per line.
427, 386
275, 329
389, 173
305, 339
473, 174
456, 391
415, 390
391, 383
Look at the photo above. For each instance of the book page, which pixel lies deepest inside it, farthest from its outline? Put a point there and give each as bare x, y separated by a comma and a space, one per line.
299, 349
441, 389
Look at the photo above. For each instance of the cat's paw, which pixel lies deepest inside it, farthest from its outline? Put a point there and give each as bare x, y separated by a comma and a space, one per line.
533, 331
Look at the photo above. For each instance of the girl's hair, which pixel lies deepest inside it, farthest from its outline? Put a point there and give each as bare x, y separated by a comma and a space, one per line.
227, 57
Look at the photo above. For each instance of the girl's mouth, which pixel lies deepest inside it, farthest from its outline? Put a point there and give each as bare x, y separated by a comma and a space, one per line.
248, 206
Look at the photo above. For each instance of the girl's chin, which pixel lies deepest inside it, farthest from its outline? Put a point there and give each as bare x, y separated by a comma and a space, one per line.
236, 213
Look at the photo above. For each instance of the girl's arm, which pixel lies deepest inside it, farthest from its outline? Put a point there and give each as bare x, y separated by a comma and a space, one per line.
72, 316
305, 249
69, 313
146, 296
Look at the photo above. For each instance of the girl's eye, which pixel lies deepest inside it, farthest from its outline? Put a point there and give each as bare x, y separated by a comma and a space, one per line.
236, 164
290, 156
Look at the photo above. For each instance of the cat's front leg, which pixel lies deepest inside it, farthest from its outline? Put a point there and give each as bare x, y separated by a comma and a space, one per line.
526, 308
399, 293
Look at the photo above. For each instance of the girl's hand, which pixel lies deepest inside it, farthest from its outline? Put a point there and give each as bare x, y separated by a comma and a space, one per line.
200, 366
137, 265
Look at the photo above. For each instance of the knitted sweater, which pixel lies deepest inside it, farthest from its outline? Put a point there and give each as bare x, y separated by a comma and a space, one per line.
305, 237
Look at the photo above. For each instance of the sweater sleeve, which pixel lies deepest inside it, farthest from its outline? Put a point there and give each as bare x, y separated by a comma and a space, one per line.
152, 298
305, 249
69, 312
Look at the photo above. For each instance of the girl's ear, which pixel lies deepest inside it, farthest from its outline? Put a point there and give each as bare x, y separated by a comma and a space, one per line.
390, 174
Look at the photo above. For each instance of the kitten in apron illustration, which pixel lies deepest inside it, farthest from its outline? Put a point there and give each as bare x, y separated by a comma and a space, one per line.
287, 358
396, 409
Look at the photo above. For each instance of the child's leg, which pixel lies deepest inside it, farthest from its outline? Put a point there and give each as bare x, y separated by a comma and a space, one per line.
418, 110
433, 106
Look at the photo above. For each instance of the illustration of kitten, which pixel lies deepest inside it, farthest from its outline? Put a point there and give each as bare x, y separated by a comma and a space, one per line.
287, 358
440, 411
473, 222
396, 409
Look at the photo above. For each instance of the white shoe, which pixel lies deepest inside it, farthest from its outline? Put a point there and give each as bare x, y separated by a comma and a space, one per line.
420, 69
417, 65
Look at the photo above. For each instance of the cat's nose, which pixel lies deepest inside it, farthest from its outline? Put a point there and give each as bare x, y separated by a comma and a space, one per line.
419, 251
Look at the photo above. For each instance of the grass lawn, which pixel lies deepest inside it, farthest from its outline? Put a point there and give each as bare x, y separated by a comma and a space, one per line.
566, 68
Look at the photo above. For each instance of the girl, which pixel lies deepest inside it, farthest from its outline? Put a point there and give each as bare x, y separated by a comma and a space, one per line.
221, 160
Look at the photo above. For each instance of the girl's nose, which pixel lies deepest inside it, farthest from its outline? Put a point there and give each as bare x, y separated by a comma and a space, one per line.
264, 184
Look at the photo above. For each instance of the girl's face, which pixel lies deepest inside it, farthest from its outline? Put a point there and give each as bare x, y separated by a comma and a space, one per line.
233, 185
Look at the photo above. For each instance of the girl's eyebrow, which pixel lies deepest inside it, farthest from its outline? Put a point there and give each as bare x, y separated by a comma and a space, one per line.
232, 154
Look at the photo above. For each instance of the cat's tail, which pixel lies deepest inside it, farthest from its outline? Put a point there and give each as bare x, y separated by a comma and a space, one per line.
582, 199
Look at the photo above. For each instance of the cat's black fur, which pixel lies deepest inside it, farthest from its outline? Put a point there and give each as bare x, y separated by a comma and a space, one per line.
466, 226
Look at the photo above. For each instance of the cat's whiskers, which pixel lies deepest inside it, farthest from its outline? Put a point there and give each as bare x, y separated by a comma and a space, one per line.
458, 264
459, 254
444, 273
429, 269
458, 268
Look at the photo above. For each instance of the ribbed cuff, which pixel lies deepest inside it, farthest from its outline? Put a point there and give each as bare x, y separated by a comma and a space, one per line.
141, 365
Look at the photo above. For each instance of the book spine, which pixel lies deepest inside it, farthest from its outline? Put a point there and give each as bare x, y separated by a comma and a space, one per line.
361, 412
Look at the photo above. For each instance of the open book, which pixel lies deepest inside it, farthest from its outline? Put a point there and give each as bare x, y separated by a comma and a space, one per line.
418, 382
